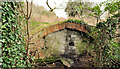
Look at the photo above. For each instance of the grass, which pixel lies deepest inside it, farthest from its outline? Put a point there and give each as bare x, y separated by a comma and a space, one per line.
35, 24
33, 31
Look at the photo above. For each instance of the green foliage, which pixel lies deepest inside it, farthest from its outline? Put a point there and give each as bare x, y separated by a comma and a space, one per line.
106, 48
111, 6
77, 8
96, 10
13, 43
76, 21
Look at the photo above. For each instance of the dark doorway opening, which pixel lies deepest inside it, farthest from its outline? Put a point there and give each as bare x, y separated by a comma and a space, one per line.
71, 43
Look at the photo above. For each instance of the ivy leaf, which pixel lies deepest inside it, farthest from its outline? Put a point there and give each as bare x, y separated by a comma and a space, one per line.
3, 40
4, 20
115, 56
91, 14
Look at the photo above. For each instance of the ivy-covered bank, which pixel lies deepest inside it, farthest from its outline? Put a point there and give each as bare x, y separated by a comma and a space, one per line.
13, 42
105, 45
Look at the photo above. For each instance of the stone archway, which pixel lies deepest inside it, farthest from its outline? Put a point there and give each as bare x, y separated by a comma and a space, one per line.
66, 43
49, 34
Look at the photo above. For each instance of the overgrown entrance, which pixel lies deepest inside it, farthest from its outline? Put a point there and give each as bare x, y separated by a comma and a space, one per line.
68, 44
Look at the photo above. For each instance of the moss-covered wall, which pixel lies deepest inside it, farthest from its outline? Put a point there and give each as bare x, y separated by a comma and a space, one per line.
66, 43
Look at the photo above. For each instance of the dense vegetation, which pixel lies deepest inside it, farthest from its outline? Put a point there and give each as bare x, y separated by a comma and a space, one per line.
107, 49
13, 42
105, 45
78, 8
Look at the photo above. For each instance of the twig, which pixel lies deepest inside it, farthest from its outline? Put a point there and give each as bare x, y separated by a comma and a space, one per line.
22, 10
49, 6
30, 9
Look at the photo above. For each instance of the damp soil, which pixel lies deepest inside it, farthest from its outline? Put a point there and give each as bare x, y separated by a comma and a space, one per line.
84, 60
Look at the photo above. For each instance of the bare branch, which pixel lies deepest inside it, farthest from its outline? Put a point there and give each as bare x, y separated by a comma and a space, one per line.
22, 10
49, 6
30, 9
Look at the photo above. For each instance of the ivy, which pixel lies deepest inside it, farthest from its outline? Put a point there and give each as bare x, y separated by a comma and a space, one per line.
105, 46
104, 34
76, 21
13, 43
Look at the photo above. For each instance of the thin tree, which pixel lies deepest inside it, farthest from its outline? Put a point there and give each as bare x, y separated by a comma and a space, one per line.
27, 17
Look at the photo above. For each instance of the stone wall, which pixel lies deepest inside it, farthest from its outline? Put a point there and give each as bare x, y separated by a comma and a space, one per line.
66, 43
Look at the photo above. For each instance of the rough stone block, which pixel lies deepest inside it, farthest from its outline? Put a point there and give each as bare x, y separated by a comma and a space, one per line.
73, 35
